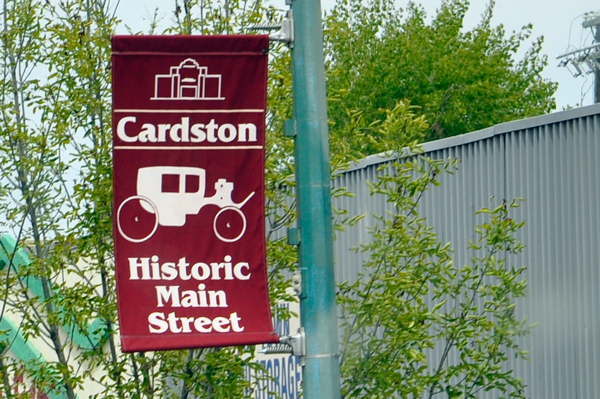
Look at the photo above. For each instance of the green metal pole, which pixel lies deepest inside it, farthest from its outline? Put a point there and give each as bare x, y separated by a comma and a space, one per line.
318, 315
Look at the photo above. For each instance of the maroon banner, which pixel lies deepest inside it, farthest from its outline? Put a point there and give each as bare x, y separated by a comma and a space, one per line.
188, 211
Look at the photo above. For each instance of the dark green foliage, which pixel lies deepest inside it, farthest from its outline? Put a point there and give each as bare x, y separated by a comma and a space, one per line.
461, 80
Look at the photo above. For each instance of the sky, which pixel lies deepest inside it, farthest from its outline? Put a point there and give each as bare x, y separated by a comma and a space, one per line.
558, 21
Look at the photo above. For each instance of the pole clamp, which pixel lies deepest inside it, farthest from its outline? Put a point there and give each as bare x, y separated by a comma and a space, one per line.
294, 344
286, 33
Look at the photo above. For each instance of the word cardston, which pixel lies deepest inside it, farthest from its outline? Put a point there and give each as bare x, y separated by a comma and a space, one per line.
188, 211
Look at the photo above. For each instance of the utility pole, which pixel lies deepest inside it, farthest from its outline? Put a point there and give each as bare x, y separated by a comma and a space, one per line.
586, 60
318, 312
595, 22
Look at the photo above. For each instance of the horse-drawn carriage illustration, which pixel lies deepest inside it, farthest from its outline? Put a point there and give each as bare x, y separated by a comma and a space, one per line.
169, 205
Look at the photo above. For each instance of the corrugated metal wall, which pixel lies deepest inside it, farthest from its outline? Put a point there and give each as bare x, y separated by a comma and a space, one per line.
553, 162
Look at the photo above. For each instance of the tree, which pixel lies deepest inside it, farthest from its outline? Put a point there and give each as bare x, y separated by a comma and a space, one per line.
461, 80
32, 135
416, 325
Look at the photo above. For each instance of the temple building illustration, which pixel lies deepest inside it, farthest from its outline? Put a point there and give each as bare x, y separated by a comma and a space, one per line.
188, 81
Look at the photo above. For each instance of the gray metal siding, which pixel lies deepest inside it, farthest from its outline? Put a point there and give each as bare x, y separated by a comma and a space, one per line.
552, 161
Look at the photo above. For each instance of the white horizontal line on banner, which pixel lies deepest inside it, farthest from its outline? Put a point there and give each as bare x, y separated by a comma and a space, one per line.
233, 147
190, 111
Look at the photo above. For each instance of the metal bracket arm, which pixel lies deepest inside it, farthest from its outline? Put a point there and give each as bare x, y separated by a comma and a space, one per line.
286, 33
294, 344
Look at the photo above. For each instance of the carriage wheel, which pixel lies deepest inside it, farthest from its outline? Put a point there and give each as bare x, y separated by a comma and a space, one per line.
135, 223
229, 224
